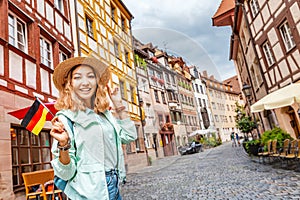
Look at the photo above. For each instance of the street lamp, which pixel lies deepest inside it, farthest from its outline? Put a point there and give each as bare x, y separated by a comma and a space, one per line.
247, 92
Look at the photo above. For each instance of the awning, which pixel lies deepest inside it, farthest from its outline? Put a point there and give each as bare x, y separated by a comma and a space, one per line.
202, 132
282, 97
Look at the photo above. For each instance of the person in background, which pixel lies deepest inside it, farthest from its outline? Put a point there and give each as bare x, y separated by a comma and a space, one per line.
232, 136
88, 152
237, 139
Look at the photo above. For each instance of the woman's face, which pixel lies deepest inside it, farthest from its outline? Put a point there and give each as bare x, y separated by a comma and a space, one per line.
84, 83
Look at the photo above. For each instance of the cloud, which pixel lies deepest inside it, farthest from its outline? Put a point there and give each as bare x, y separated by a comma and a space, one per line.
184, 28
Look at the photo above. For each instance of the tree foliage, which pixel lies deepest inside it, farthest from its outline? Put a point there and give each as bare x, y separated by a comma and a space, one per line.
243, 122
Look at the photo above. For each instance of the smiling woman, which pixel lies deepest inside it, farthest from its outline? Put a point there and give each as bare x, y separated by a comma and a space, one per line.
84, 84
88, 141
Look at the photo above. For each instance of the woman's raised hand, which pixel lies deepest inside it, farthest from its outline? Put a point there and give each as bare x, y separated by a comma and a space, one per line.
58, 131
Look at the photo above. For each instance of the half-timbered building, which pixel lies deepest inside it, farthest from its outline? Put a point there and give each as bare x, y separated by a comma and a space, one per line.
265, 45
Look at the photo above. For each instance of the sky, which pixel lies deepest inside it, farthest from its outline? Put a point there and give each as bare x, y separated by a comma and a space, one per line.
184, 28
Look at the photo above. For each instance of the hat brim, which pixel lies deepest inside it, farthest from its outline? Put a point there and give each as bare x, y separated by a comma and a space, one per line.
61, 71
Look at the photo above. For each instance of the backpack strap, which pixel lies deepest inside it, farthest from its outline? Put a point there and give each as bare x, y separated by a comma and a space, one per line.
71, 124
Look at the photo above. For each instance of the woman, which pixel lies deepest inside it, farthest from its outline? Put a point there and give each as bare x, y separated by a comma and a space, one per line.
87, 147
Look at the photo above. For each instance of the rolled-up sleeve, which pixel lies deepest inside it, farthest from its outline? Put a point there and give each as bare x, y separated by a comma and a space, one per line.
128, 130
65, 172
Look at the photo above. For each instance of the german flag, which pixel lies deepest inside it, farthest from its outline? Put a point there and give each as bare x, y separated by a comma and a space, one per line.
35, 118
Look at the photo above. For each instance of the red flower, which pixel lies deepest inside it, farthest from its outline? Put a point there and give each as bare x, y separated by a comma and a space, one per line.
161, 81
154, 78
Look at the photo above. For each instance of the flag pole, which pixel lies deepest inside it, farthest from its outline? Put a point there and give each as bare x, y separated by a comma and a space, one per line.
44, 106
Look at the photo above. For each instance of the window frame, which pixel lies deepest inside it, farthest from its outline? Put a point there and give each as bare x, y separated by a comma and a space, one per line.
89, 25
62, 56
254, 7
156, 96
286, 36
27, 149
48, 51
113, 12
15, 37
59, 4
268, 53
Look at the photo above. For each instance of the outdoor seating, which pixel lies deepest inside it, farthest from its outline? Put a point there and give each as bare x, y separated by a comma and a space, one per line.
262, 154
284, 151
35, 185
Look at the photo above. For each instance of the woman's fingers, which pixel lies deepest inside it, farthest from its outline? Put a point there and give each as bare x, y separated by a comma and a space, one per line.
57, 131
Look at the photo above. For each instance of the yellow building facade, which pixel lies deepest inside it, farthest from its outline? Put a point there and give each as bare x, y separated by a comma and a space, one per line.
102, 29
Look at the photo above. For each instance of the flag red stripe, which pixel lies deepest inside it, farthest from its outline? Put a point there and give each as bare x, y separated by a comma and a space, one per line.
35, 118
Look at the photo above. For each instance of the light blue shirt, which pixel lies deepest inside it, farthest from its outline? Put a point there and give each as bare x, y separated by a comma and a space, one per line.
86, 171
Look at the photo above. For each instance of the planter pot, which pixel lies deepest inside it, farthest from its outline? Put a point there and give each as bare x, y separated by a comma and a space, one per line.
252, 149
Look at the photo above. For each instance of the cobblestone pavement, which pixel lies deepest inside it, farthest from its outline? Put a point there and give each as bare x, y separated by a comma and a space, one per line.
223, 172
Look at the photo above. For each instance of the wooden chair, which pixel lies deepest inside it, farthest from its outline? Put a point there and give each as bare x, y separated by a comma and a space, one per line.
274, 152
285, 148
291, 154
267, 153
39, 178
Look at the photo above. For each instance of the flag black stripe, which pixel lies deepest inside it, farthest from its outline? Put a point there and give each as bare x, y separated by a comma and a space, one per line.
31, 112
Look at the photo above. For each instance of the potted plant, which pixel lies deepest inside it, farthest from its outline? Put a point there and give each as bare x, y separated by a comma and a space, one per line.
274, 134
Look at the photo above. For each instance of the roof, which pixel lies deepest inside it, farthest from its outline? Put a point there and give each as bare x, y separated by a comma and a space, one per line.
233, 81
223, 14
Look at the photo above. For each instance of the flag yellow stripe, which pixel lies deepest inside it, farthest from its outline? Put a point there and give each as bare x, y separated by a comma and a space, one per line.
40, 124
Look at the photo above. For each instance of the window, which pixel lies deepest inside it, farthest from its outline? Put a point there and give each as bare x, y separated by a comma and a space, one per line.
116, 48
151, 72
199, 101
127, 57
29, 152
163, 97
113, 13
122, 88
268, 53
167, 78
287, 36
46, 52
17, 33
256, 76
201, 89
89, 26
62, 56
59, 5
197, 89
123, 24
254, 7
213, 105
156, 96
204, 103
217, 118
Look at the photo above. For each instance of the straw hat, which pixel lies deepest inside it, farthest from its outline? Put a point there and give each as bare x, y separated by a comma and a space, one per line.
61, 71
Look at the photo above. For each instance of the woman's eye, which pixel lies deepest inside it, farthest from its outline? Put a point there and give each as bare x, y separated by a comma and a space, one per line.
91, 76
76, 77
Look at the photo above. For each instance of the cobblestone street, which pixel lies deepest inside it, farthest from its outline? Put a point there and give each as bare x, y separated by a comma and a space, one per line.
223, 172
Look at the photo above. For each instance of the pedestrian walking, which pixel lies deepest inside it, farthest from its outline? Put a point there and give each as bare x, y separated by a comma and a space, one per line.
237, 139
87, 147
232, 136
